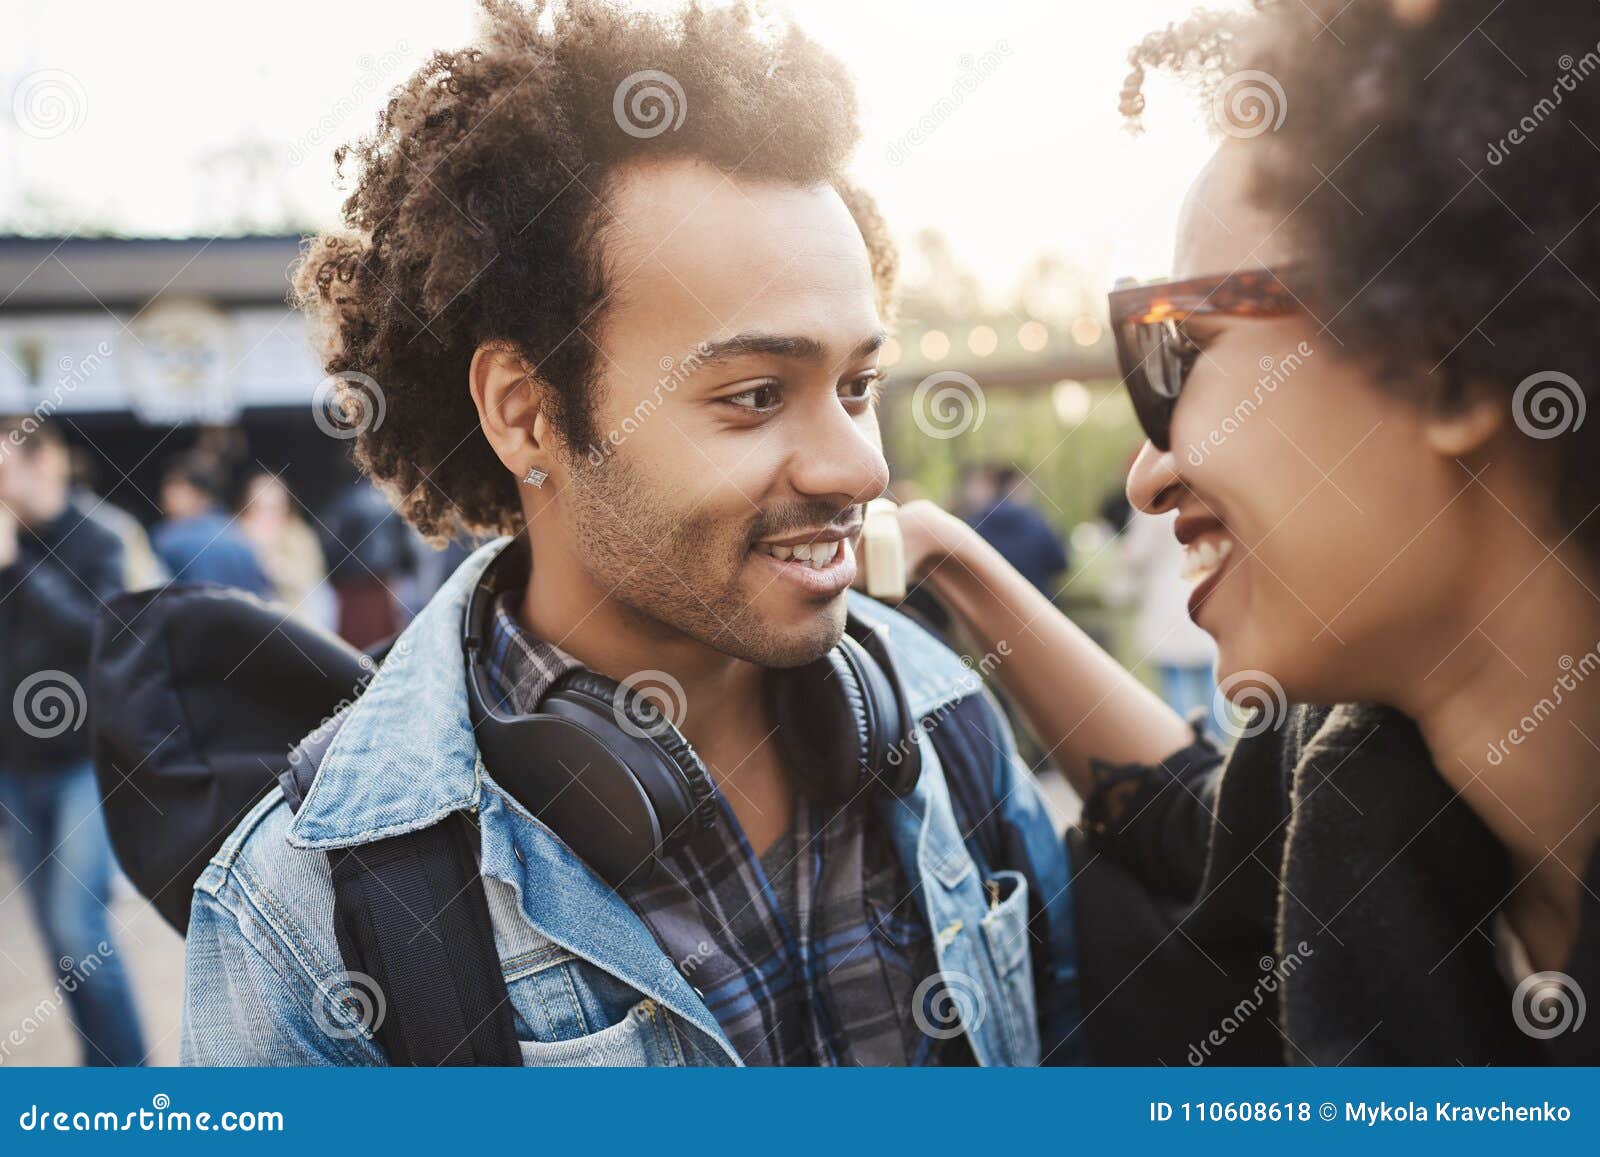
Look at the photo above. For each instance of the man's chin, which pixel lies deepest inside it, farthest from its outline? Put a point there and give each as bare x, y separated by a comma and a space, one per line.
791, 637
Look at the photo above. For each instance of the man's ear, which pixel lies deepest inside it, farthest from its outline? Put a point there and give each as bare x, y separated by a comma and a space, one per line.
509, 398
1469, 424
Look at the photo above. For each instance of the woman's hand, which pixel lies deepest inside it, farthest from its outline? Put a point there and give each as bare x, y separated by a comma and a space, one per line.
1079, 701
932, 536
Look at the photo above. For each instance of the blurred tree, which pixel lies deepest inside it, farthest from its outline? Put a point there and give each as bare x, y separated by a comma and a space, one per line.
936, 289
1054, 289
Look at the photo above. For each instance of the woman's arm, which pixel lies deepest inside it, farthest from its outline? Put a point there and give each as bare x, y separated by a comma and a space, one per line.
1081, 704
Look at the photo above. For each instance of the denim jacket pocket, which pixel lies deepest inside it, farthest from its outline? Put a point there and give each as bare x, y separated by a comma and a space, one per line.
1005, 934
644, 1037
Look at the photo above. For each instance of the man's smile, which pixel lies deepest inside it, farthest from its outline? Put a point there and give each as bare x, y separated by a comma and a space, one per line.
820, 563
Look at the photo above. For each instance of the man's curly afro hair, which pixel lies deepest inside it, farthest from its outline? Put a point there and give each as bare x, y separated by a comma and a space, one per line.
1436, 171
476, 212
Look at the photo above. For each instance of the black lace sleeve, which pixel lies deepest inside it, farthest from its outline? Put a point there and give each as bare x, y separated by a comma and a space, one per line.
1155, 820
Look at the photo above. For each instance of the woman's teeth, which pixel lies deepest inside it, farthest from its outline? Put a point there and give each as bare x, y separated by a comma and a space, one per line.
814, 554
1201, 559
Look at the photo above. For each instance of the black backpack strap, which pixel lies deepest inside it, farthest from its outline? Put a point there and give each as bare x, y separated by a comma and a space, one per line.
410, 912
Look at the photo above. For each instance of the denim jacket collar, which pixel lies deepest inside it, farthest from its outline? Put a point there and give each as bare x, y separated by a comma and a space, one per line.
404, 755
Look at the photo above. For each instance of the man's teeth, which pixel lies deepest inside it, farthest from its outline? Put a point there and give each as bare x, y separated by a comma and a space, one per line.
1201, 559
814, 554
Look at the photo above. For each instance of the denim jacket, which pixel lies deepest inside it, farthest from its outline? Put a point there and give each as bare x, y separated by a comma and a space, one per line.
264, 983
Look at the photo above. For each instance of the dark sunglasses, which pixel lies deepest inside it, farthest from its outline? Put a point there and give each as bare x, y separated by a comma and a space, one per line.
1154, 353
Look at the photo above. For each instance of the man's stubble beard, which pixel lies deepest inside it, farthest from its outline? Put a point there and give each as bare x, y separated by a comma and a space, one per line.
668, 568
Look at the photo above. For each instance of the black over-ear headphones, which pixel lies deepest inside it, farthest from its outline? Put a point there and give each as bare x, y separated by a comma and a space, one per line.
615, 779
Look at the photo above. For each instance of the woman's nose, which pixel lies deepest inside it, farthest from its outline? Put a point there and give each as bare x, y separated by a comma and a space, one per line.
1153, 480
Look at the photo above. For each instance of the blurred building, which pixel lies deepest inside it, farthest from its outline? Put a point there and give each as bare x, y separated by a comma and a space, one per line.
142, 348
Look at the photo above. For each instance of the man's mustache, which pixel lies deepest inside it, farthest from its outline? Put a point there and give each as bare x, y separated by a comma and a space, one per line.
816, 518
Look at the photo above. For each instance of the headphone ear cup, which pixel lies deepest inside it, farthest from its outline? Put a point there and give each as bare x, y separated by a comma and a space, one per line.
658, 747
896, 757
825, 722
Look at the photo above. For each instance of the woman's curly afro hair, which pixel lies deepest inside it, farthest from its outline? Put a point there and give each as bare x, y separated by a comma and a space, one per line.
1435, 167
474, 216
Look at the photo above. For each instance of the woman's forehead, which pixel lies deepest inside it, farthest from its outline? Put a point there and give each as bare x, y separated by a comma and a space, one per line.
1221, 229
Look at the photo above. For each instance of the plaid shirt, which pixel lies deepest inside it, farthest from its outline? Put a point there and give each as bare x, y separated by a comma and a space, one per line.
816, 953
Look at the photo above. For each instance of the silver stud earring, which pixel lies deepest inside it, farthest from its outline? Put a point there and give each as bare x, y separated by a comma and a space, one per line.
535, 476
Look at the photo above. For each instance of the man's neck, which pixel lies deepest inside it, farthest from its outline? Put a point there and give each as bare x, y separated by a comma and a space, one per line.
1512, 720
715, 699
45, 515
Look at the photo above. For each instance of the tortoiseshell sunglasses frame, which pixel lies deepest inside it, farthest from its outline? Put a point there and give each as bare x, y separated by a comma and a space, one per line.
1145, 320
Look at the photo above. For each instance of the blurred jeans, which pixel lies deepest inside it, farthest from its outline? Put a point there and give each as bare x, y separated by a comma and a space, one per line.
1187, 687
63, 856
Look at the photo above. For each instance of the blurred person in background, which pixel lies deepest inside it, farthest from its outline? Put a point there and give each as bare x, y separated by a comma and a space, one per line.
57, 567
975, 490
197, 541
373, 559
1014, 526
1153, 569
141, 567
287, 549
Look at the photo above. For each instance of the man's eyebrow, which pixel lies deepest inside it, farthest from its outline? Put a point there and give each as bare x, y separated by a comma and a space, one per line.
796, 346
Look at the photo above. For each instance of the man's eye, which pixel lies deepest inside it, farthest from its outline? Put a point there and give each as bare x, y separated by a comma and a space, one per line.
756, 398
864, 387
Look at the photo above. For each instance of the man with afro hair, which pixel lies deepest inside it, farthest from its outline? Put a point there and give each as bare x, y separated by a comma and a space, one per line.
604, 287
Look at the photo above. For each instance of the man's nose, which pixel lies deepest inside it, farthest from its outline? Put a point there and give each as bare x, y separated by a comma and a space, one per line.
838, 456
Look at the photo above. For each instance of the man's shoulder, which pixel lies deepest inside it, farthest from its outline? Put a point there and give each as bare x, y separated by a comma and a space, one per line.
274, 890
931, 673
264, 978
75, 534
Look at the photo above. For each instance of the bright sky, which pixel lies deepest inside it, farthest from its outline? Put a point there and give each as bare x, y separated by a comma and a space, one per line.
1032, 158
